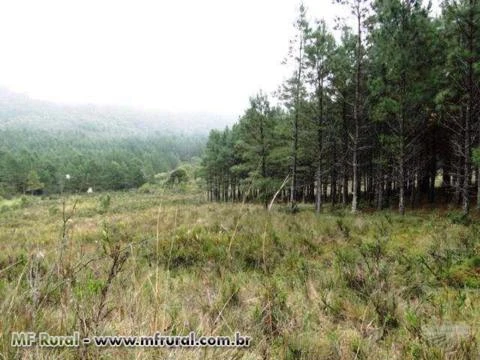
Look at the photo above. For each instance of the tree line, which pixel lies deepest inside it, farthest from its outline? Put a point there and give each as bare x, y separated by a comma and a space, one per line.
388, 115
45, 161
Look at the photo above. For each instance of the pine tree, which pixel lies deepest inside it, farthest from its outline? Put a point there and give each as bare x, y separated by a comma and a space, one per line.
319, 51
461, 93
33, 183
359, 9
293, 94
255, 142
400, 84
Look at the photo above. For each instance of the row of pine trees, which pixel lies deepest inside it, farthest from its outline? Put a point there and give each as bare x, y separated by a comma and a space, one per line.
388, 116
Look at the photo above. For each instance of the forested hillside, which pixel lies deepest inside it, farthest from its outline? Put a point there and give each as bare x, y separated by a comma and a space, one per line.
48, 148
387, 116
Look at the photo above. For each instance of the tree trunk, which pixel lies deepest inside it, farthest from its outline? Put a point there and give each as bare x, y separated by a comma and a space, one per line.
356, 108
401, 194
293, 191
466, 162
380, 192
318, 203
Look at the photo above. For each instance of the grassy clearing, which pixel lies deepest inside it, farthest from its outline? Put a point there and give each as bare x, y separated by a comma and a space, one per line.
333, 286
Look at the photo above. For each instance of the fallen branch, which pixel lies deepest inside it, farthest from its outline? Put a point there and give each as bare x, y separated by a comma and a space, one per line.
278, 192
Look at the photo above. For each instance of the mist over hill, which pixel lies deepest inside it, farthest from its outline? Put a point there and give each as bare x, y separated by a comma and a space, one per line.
103, 147
18, 111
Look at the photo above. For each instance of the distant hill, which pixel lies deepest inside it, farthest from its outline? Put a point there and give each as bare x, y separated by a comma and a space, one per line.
18, 111
103, 147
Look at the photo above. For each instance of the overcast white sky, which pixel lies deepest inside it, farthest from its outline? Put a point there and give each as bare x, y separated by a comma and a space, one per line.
174, 55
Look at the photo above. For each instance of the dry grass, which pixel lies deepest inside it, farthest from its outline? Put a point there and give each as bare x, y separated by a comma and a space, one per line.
303, 286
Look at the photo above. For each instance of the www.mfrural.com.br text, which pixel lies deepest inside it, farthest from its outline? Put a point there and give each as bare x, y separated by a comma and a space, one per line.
44, 339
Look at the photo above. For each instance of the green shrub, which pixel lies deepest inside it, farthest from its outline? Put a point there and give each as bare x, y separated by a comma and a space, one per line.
104, 204
147, 188
460, 218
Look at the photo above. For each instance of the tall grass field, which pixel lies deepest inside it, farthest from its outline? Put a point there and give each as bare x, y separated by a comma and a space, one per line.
301, 286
